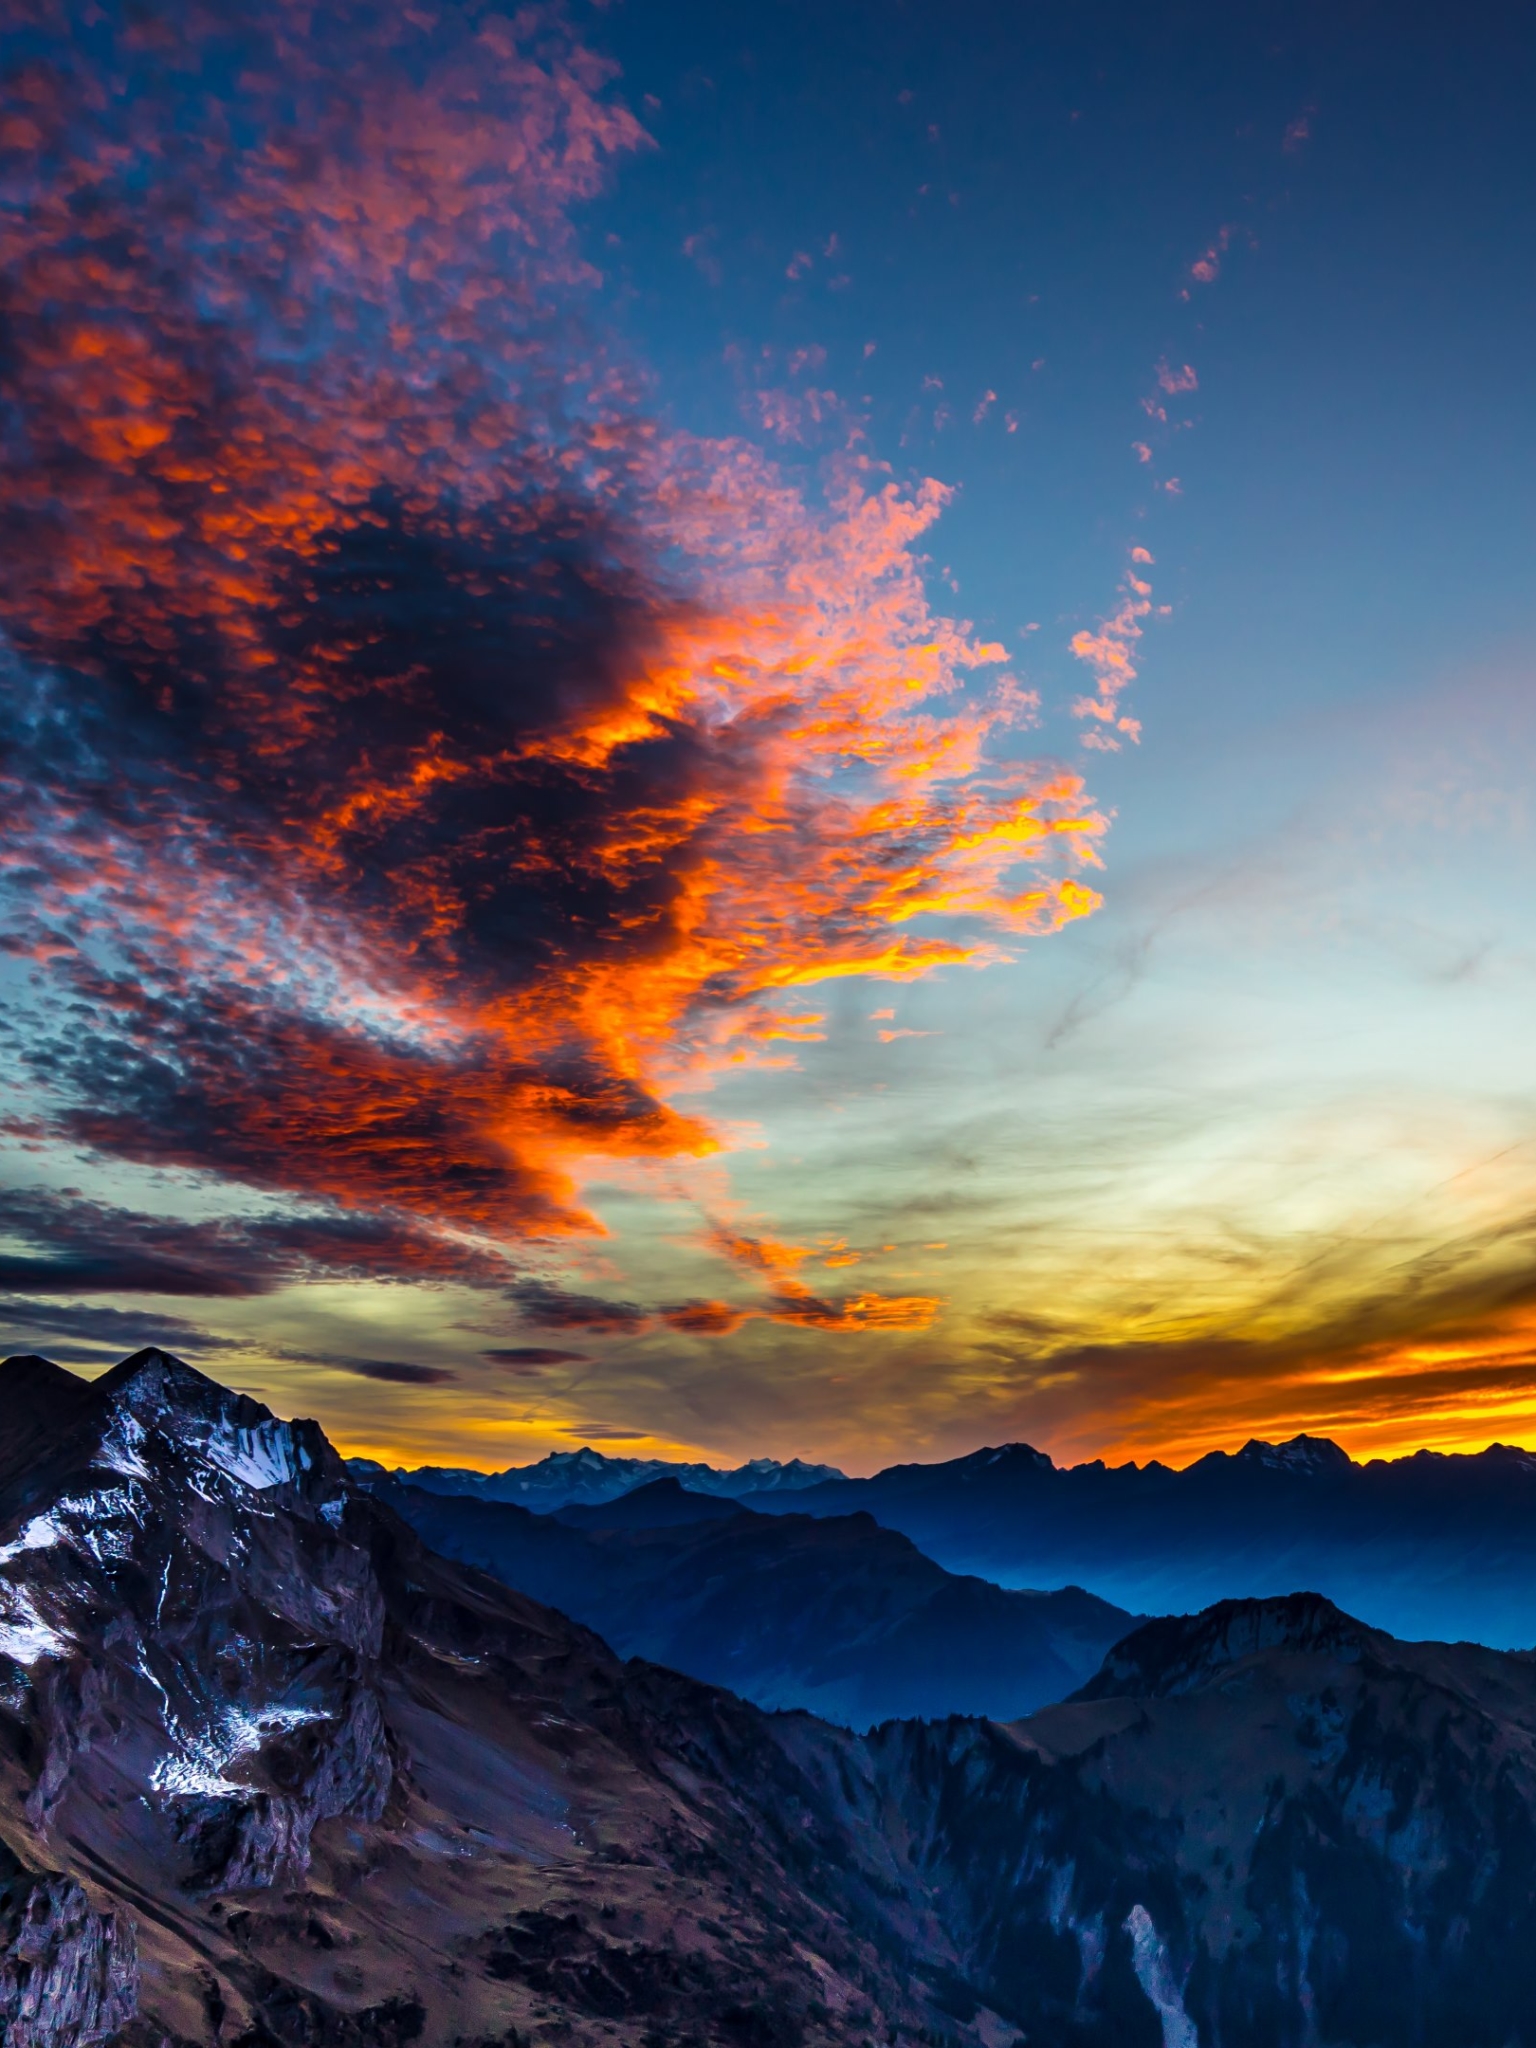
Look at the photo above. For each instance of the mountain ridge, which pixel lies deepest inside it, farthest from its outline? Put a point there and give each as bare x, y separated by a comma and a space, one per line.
1432, 1544
834, 1614
587, 1477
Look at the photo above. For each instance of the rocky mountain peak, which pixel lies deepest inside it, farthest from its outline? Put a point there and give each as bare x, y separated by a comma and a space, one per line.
1009, 1458
1182, 1653
1308, 1455
177, 1565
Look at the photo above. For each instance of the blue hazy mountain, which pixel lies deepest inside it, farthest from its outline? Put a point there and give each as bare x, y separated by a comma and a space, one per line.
1425, 1546
836, 1615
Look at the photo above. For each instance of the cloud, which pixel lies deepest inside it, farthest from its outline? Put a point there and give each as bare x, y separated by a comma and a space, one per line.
550, 1307
792, 1302
1440, 1350
1205, 269
530, 1357
123, 1330
84, 1246
1175, 380
704, 1318
1298, 132
1109, 653
547, 1305
390, 1370
419, 760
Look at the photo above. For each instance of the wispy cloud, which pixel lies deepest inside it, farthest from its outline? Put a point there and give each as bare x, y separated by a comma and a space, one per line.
77, 1245
122, 1330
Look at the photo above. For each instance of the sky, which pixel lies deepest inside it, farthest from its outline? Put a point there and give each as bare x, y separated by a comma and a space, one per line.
785, 730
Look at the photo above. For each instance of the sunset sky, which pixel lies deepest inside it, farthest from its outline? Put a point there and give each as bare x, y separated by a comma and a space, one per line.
796, 730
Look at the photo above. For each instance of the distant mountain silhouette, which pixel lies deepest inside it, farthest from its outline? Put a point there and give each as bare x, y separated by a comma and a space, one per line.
1428, 1545
839, 1616
660, 1504
588, 1477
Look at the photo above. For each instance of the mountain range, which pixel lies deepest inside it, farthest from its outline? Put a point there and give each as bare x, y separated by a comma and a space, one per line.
272, 1772
1428, 1545
590, 1477
836, 1615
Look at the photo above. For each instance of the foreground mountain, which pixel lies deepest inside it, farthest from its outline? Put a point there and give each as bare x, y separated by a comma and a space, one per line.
1430, 1545
271, 1772
839, 1616
587, 1477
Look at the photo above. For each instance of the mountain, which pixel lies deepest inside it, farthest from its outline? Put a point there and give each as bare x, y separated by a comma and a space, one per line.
839, 1616
1264, 1826
587, 1477
272, 1775
1430, 1545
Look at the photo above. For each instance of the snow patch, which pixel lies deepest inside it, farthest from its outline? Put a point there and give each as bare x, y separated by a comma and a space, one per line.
121, 1443
1154, 1973
265, 1456
196, 1767
41, 1533
24, 1635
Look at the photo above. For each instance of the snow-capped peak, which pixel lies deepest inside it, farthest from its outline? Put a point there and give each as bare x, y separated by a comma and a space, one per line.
1304, 1454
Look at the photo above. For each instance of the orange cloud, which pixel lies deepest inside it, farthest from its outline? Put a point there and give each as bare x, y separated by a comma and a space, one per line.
793, 1303
1108, 652
484, 758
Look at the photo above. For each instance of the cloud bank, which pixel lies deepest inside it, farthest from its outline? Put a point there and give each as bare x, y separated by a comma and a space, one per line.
420, 761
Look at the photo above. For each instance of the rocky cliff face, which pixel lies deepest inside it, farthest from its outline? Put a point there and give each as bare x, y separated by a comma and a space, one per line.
68, 1975
342, 1793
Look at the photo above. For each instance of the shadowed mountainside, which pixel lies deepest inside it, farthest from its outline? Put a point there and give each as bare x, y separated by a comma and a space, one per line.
839, 1615
271, 1772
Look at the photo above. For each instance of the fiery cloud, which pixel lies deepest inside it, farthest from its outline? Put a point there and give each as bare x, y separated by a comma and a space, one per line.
418, 763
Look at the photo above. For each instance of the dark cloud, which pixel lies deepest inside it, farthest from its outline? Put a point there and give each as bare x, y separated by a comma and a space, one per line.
318, 609
79, 1245
122, 1329
530, 1357
703, 1318
551, 1308
392, 1371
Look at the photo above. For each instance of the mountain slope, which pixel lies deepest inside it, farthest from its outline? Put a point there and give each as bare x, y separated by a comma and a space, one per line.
587, 1478
271, 1772
1424, 1546
1303, 1831
838, 1616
